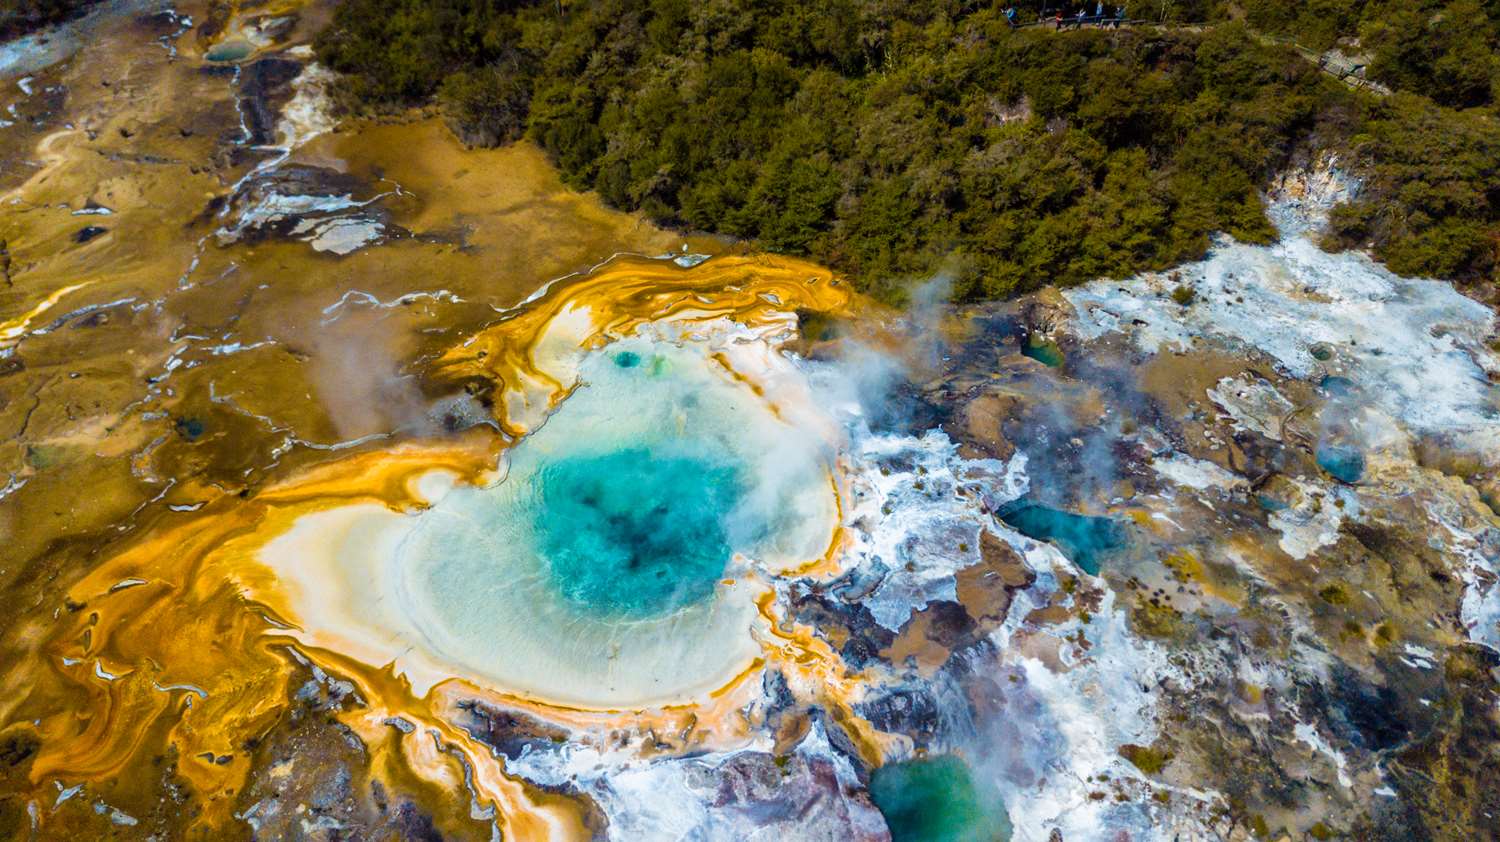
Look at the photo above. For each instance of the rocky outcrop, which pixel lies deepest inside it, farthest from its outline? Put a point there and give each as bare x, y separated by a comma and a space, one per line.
265, 87
317, 205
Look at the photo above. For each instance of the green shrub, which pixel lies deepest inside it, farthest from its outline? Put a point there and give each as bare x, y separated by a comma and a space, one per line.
486, 106
889, 140
19, 17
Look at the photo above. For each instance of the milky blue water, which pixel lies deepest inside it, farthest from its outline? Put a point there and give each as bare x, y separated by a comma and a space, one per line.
1084, 539
636, 532
1343, 463
605, 564
937, 800
229, 51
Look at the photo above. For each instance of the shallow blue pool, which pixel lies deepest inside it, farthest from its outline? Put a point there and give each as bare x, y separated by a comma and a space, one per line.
1343, 463
614, 559
636, 532
937, 800
1084, 539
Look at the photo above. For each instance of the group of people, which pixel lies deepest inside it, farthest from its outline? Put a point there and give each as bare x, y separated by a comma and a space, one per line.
1100, 17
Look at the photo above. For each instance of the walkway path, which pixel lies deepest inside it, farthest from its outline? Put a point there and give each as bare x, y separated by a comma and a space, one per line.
1347, 69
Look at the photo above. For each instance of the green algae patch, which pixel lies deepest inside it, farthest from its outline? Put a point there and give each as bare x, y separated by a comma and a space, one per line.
230, 51
1334, 594
1147, 759
42, 457
1159, 621
818, 327
1044, 351
937, 800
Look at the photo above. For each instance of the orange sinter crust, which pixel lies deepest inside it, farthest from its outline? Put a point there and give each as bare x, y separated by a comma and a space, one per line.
185, 640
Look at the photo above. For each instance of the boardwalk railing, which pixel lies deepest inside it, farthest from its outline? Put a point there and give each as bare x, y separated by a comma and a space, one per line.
1348, 70
1105, 21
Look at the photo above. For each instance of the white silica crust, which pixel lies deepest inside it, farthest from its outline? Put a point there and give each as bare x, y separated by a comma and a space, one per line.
615, 564
1414, 349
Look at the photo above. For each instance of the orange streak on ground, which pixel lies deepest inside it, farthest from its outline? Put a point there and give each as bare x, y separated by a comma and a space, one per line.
179, 638
621, 296
813, 668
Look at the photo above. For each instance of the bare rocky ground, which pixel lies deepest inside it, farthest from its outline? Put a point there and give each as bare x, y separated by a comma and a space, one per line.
1336, 633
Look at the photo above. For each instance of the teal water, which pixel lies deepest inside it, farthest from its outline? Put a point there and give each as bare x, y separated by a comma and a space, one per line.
1339, 387
229, 51
937, 800
1270, 504
635, 533
592, 570
1043, 351
1343, 463
1085, 540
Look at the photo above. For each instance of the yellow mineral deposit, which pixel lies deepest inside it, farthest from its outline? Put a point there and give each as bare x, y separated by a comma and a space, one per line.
536, 353
186, 637
183, 465
13, 329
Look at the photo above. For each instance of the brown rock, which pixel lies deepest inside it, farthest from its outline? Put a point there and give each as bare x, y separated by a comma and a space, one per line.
999, 556
930, 637
979, 425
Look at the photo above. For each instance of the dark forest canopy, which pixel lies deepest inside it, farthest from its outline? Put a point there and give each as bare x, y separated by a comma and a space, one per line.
19, 17
893, 139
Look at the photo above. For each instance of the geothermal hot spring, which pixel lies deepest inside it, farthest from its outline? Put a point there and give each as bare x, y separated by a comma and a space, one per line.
613, 561
671, 580
657, 553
